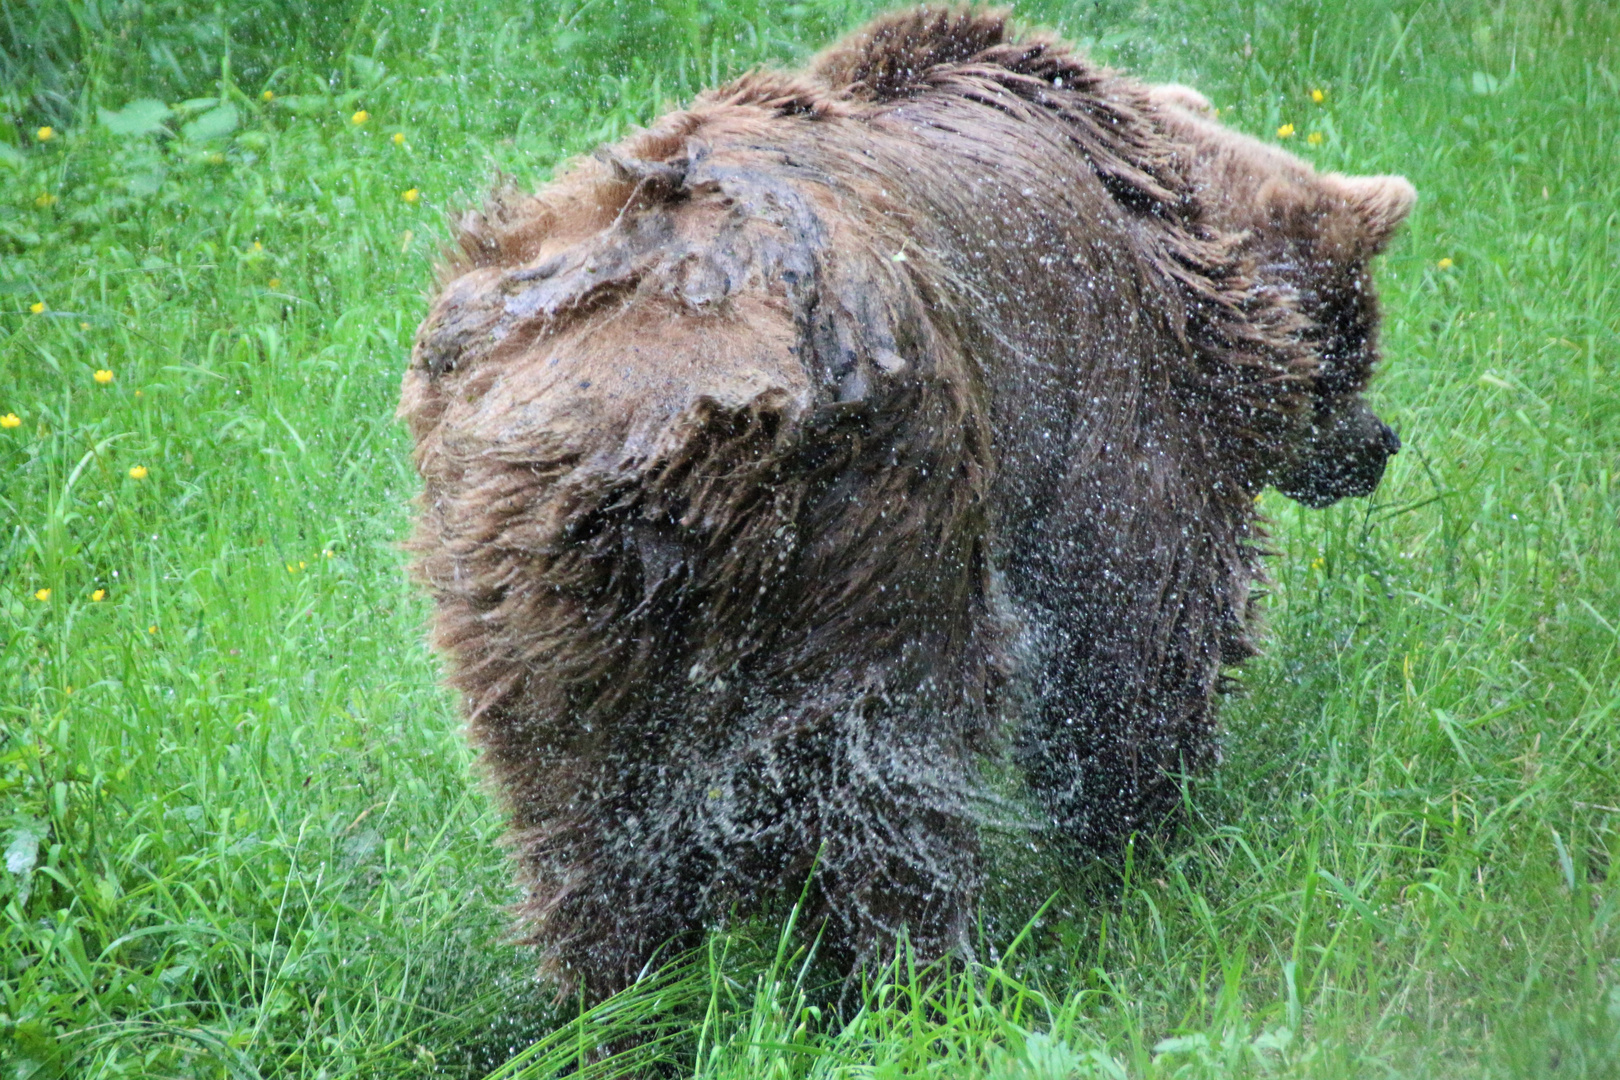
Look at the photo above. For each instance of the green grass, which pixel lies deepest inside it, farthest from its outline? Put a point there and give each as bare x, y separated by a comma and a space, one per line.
242, 832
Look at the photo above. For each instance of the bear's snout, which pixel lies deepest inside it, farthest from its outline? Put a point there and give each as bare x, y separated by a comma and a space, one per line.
1344, 459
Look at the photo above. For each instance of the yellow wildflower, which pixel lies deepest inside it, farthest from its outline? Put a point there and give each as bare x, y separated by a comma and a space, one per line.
151, 629
45, 201
359, 118
137, 472
1445, 263
43, 595
139, 394
1318, 96
37, 307
326, 553
9, 421
1286, 131
268, 95
302, 565
1314, 138
274, 283
399, 138
84, 326
45, 134
291, 569
98, 596
410, 195
104, 376
257, 246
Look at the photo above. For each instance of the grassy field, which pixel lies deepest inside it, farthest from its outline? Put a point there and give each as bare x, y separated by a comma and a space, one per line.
241, 832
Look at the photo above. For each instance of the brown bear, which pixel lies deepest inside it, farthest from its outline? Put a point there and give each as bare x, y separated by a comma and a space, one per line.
786, 462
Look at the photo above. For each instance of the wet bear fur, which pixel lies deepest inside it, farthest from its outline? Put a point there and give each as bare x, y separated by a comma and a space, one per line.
788, 462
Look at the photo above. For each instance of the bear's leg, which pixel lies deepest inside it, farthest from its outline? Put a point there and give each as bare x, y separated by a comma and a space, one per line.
615, 884
898, 819
871, 795
874, 795
1112, 734
1136, 599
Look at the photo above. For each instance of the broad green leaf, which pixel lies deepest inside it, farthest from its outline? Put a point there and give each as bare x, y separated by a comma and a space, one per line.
23, 851
141, 117
213, 124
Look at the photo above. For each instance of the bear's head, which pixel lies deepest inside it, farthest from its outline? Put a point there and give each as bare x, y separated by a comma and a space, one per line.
1323, 237
1316, 234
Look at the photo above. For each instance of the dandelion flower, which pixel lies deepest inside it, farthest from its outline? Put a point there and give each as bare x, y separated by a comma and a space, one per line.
137, 472
104, 376
359, 118
42, 595
37, 307
268, 95
1445, 263
45, 200
10, 421
98, 596
45, 134
1314, 138
1286, 131
274, 283
410, 195
399, 138
152, 629
1318, 96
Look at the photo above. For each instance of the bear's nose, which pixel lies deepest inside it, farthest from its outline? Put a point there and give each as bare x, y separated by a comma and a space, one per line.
1391, 441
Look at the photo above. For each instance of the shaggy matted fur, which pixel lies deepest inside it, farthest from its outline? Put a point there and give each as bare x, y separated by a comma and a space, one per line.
760, 449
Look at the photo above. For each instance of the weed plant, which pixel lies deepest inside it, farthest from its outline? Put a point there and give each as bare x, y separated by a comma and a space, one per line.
243, 837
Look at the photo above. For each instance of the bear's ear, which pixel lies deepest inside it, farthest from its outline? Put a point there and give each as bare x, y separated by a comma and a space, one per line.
1377, 206
1176, 95
1294, 207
